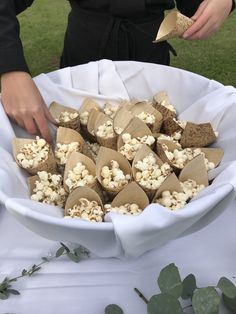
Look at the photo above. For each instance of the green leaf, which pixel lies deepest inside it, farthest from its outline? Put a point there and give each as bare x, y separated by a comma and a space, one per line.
13, 291
230, 303
73, 257
227, 287
60, 251
3, 296
189, 285
45, 259
24, 272
164, 304
77, 251
65, 247
206, 301
113, 309
169, 281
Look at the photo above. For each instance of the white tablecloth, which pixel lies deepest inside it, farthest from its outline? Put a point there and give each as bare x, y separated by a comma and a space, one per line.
87, 287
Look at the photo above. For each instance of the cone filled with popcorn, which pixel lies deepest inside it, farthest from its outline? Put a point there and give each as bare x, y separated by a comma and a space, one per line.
172, 125
132, 200
113, 171
174, 25
149, 171
89, 133
162, 103
133, 137
122, 119
148, 114
65, 116
34, 155
83, 202
104, 131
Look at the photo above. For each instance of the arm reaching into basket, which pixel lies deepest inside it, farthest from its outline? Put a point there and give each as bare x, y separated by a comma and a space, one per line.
19, 95
209, 16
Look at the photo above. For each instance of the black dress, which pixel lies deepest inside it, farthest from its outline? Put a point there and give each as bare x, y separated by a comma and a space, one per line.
112, 29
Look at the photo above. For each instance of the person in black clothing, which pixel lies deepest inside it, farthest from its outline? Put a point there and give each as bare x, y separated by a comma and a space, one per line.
111, 29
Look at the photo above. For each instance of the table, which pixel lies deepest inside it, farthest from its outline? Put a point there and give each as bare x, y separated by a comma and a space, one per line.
87, 287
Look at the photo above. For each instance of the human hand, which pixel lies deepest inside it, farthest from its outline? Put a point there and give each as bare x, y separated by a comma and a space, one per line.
24, 104
208, 18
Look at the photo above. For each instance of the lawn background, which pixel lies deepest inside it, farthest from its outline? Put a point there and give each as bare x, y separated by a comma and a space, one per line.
42, 32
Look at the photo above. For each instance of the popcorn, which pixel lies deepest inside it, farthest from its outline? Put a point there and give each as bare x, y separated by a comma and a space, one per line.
181, 123
132, 145
32, 154
83, 116
175, 137
151, 175
113, 177
118, 130
176, 200
146, 117
110, 110
66, 116
93, 148
106, 130
79, 176
87, 210
63, 151
168, 105
127, 209
49, 189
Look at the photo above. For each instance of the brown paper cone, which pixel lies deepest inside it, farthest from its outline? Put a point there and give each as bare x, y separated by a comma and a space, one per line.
87, 105
158, 100
143, 152
93, 116
214, 155
131, 194
67, 136
31, 183
148, 108
48, 165
105, 156
136, 128
169, 126
56, 109
174, 25
197, 135
195, 169
107, 142
122, 119
81, 192
161, 152
171, 184
72, 161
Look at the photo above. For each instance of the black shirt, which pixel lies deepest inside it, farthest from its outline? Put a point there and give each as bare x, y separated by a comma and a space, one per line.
11, 51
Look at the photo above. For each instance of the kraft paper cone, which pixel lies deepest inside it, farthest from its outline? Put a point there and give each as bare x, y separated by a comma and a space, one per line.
197, 135
131, 194
93, 116
195, 169
67, 136
87, 105
174, 25
159, 100
104, 158
82, 192
107, 142
122, 119
136, 128
143, 152
72, 161
110, 106
31, 183
214, 155
148, 108
171, 184
161, 152
56, 109
170, 126
48, 165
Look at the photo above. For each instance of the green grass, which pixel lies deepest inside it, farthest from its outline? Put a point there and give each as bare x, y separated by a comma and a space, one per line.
42, 32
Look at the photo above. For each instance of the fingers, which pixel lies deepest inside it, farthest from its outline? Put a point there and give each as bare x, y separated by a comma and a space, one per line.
42, 125
198, 26
48, 114
199, 11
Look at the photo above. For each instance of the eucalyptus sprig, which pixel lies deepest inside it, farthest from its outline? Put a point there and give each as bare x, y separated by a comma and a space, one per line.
174, 291
73, 254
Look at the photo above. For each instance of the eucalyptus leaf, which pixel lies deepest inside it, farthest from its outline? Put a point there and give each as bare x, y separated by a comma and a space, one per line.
65, 247
24, 272
73, 257
13, 291
60, 251
169, 281
3, 296
78, 251
230, 303
189, 285
206, 301
227, 287
113, 309
45, 259
164, 304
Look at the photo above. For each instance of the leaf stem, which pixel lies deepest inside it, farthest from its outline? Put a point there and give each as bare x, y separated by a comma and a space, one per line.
140, 294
